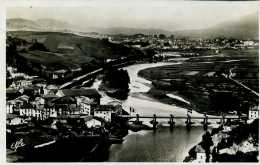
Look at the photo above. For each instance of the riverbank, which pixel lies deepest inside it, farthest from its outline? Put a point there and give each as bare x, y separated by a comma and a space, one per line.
198, 80
163, 144
233, 142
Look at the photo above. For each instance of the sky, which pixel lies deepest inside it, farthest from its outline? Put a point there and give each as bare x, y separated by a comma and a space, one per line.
166, 15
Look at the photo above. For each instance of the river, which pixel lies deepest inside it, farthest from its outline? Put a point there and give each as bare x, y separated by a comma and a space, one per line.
161, 145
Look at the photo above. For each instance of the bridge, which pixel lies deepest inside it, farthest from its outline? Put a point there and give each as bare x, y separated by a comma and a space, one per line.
188, 119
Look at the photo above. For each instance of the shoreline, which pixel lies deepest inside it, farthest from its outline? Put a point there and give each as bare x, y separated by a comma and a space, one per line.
235, 149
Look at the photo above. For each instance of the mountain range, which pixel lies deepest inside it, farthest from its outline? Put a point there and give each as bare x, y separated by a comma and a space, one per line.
20, 24
245, 27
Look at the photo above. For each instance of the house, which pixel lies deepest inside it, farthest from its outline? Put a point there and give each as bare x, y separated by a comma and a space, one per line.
50, 89
47, 112
86, 105
31, 90
253, 113
10, 106
92, 122
13, 105
23, 83
64, 105
105, 111
226, 129
30, 111
39, 102
85, 108
200, 154
12, 119
58, 74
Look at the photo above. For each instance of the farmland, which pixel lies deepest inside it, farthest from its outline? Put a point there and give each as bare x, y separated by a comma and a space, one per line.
199, 77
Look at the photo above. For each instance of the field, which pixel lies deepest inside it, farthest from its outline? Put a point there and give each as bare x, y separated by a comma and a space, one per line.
198, 78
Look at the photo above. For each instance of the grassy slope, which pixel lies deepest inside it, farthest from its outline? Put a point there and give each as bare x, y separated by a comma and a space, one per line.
86, 50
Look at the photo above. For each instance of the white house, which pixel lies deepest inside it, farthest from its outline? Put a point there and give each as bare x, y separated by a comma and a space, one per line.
93, 123
23, 83
105, 111
30, 112
53, 113
200, 154
84, 104
105, 114
85, 109
226, 129
253, 113
39, 102
14, 120
10, 106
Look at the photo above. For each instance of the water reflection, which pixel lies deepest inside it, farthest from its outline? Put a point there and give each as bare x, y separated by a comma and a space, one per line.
161, 145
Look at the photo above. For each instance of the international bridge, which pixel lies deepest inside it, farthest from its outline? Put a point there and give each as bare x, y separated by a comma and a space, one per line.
188, 119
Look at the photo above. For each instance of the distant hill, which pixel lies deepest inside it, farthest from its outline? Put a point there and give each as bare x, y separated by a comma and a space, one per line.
132, 31
243, 28
19, 24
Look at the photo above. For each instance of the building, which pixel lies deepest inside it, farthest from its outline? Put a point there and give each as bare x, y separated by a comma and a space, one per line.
12, 119
92, 122
105, 111
253, 113
200, 154
58, 74
23, 83
64, 105
50, 90
39, 102
10, 106
30, 111
85, 109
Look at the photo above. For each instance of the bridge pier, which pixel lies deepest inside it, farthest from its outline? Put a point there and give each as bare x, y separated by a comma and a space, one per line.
222, 120
137, 121
171, 122
154, 122
205, 122
188, 122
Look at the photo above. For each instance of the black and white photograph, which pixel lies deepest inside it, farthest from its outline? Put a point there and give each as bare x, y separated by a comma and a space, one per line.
167, 81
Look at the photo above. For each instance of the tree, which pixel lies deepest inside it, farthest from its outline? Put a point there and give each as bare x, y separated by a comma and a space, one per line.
162, 36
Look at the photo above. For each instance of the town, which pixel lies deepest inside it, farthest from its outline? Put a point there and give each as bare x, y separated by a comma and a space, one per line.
43, 103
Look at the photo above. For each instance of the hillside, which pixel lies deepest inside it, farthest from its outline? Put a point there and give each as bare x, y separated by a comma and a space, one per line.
70, 50
243, 28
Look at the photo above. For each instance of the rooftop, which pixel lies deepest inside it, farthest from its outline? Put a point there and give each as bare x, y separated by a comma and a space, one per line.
91, 92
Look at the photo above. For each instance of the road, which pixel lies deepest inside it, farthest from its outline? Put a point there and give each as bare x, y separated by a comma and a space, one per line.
240, 84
